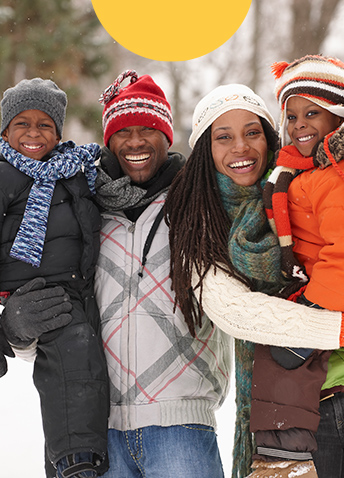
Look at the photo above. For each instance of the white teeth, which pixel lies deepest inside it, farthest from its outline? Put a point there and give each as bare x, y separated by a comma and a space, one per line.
137, 158
29, 146
241, 164
305, 138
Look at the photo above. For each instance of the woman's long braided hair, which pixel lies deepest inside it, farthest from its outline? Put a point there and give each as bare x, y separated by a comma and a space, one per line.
199, 226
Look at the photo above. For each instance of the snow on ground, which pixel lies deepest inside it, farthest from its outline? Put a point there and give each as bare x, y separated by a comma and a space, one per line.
21, 439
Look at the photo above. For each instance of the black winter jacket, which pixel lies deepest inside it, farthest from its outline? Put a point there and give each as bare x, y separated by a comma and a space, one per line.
70, 369
72, 242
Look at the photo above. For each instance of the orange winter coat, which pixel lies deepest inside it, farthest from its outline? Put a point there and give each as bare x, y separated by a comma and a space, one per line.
316, 208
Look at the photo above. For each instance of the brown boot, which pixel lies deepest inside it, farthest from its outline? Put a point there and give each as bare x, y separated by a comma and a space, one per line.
283, 469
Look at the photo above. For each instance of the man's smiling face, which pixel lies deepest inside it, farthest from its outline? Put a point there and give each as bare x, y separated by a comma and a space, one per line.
140, 150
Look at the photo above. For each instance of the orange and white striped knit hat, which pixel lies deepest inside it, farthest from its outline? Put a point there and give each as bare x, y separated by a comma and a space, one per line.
318, 78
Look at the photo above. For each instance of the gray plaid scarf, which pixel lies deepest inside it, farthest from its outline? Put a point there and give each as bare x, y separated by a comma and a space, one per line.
116, 192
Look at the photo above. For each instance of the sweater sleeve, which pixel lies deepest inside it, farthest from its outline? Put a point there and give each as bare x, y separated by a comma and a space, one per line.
28, 354
264, 319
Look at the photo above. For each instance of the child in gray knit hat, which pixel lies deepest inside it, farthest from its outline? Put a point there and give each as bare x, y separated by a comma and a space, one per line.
49, 245
35, 94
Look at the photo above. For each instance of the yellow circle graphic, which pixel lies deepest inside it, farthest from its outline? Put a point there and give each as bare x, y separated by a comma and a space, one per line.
176, 31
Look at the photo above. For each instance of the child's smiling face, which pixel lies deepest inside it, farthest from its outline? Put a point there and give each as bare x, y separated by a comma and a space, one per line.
308, 123
32, 133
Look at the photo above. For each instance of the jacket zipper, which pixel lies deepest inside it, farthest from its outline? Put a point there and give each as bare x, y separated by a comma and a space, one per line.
131, 230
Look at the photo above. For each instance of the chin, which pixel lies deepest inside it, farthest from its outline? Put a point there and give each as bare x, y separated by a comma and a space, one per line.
305, 153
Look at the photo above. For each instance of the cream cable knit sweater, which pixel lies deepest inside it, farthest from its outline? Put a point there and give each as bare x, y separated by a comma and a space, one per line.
264, 319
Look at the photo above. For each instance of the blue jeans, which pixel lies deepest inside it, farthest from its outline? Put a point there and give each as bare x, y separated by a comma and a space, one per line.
185, 451
329, 459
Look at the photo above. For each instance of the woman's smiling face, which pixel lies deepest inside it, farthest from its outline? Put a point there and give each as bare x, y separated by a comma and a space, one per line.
308, 123
239, 146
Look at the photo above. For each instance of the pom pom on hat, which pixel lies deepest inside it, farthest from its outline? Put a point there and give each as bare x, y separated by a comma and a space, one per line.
278, 68
222, 99
141, 103
317, 78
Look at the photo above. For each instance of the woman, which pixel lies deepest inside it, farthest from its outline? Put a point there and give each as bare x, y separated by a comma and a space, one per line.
218, 230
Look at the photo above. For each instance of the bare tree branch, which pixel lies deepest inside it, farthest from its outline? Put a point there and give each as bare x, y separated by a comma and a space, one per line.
309, 30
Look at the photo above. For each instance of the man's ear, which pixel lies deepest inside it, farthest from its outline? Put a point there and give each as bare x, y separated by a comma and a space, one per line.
5, 135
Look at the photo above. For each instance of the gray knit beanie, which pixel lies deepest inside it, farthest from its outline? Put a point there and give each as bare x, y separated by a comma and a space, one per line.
35, 94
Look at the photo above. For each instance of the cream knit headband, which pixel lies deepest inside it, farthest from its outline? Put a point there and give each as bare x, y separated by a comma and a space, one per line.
222, 99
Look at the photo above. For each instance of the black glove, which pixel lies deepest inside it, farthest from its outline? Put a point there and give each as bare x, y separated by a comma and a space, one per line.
5, 349
290, 357
33, 310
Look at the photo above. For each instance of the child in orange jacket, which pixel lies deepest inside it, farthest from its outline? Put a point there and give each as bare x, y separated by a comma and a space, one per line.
306, 212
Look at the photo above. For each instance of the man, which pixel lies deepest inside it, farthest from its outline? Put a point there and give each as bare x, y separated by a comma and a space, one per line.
165, 385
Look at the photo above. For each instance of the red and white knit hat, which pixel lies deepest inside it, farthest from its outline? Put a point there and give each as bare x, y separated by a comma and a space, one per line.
318, 78
141, 103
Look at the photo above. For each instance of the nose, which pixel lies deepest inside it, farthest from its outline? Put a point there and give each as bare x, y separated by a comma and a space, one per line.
33, 132
240, 145
300, 123
135, 139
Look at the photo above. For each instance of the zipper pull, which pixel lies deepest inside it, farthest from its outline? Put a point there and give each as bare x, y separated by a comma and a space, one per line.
144, 260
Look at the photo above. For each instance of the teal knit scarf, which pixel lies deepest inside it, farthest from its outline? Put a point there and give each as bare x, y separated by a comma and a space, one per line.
254, 251
253, 247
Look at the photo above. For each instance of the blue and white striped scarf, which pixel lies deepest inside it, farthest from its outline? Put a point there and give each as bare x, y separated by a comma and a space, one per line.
67, 159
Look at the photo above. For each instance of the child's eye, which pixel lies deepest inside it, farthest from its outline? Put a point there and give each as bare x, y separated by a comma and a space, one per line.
291, 117
312, 113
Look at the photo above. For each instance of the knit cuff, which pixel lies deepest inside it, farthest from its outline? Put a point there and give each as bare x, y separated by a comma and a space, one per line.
284, 454
28, 354
341, 338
